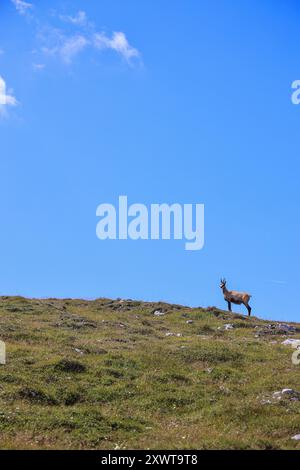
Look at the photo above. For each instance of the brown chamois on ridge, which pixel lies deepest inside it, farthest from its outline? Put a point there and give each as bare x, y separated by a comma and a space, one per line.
232, 296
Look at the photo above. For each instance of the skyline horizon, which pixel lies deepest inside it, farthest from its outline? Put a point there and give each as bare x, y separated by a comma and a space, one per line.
163, 103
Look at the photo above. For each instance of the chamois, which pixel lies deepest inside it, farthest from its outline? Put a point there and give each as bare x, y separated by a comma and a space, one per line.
232, 296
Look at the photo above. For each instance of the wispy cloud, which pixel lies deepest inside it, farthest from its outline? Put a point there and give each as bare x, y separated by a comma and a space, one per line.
72, 47
6, 99
57, 44
22, 7
118, 42
68, 44
38, 66
80, 18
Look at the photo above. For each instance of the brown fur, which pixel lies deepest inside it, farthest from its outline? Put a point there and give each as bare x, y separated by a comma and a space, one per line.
235, 297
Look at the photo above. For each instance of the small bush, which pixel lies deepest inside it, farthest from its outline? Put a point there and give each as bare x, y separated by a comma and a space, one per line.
66, 365
70, 398
36, 396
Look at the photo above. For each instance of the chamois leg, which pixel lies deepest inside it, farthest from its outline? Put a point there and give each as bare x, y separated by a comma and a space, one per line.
229, 305
249, 310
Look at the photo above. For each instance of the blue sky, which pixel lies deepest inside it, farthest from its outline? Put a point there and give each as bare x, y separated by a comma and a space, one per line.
178, 101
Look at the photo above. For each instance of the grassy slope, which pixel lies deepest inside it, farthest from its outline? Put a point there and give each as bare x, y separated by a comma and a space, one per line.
131, 386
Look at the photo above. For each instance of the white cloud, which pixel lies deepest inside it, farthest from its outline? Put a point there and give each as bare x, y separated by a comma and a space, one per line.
71, 47
79, 35
67, 43
22, 7
118, 42
38, 66
67, 47
6, 99
59, 45
80, 19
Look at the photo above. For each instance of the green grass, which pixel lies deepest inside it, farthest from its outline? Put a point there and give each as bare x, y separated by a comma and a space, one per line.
103, 374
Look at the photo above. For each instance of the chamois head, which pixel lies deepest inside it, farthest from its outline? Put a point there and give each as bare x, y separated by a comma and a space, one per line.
223, 283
